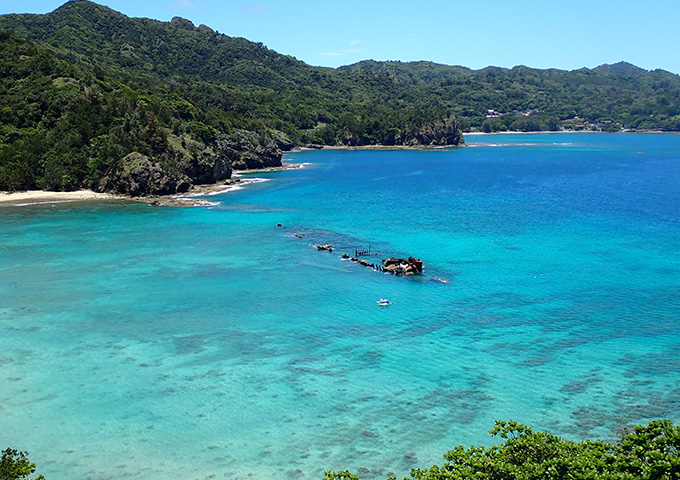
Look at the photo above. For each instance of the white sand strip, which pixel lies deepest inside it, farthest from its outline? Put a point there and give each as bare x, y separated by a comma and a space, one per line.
40, 196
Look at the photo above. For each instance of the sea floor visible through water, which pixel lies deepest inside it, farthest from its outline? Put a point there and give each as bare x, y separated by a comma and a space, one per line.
202, 343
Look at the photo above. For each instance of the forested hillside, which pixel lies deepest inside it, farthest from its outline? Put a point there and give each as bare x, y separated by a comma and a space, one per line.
609, 97
63, 127
85, 87
92, 98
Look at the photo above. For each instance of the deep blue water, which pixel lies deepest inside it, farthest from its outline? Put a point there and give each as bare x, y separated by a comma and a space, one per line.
209, 343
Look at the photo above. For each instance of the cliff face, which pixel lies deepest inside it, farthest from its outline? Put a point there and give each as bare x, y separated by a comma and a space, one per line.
247, 150
195, 164
442, 133
140, 175
434, 132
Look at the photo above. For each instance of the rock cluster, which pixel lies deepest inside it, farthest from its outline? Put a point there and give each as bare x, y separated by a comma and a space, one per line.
183, 23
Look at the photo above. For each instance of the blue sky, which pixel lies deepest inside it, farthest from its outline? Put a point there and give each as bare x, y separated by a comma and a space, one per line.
566, 34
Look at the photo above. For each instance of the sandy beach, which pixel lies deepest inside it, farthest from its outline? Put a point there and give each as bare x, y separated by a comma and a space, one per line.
34, 197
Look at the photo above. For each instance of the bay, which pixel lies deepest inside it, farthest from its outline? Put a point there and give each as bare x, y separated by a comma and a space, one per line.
144, 342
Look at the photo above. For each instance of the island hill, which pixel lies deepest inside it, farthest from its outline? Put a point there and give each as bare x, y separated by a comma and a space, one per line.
94, 99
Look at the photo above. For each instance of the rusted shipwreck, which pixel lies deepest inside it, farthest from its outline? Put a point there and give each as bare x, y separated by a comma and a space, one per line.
403, 266
393, 265
326, 246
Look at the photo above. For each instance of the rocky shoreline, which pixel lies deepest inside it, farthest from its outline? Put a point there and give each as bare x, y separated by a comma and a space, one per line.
186, 199
189, 198
142, 179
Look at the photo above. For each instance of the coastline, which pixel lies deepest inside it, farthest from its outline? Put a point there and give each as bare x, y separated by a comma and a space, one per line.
38, 197
43, 197
188, 199
214, 283
285, 166
516, 132
376, 147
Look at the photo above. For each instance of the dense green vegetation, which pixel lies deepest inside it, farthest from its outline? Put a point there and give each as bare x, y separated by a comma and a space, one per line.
251, 82
84, 87
650, 452
14, 465
609, 97
61, 126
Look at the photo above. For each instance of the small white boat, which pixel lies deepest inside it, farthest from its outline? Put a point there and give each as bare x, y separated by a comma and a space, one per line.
383, 301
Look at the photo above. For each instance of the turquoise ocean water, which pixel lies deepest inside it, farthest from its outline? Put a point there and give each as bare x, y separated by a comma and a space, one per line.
141, 342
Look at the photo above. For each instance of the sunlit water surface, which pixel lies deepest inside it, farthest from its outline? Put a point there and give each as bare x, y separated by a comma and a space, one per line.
201, 343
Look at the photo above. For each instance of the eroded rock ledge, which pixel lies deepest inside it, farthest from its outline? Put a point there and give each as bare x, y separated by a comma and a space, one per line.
190, 163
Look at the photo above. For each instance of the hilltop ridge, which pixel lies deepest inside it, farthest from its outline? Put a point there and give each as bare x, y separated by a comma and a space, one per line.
614, 97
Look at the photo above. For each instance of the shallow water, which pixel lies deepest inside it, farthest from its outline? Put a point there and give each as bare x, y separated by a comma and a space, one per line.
209, 343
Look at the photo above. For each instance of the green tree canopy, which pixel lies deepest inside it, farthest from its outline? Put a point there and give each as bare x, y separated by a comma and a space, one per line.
650, 452
15, 465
